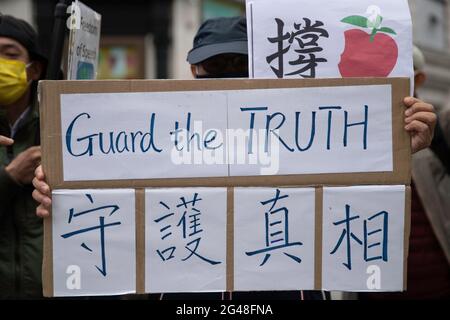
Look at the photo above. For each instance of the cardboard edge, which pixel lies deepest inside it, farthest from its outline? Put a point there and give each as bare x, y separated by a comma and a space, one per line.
401, 140
318, 222
407, 232
47, 262
230, 241
140, 240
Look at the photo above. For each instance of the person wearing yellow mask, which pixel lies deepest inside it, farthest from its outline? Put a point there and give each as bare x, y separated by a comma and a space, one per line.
21, 66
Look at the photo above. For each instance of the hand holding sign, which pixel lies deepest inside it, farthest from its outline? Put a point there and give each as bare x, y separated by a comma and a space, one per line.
21, 169
420, 123
41, 193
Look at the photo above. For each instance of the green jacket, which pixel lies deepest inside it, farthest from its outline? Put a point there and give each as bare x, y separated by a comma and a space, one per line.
21, 231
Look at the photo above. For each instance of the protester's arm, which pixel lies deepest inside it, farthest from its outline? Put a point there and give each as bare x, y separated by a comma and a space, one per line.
420, 122
21, 169
441, 143
42, 193
16, 175
5, 141
7, 185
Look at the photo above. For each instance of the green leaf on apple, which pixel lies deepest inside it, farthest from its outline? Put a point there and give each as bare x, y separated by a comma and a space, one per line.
387, 30
376, 23
372, 35
358, 21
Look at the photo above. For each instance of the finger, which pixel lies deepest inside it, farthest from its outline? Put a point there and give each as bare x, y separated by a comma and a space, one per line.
417, 126
39, 173
409, 101
43, 200
33, 149
41, 186
5, 141
418, 107
42, 212
427, 117
36, 155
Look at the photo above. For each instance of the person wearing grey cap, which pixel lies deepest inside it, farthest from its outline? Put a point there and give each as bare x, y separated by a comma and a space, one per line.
21, 66
220, 50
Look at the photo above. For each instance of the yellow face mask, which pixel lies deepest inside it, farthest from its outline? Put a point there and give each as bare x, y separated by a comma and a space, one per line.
13, 80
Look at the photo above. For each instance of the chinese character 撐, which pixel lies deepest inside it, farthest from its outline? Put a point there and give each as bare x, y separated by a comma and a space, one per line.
306, 36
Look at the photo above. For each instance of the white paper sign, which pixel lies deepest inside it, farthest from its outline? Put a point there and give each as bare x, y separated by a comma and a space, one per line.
185, 239
138, 135
363, 238
315, 130
84, 42
329, 39
226, 133
94, 242
274, 238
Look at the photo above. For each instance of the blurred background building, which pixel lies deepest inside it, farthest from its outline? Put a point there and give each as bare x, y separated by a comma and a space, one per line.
140, 38
150, 38
431, 32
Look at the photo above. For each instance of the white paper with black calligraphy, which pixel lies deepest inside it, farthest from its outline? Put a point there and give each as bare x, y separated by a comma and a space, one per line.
329, 39
185, 239
274, 238
363, 238
94, 242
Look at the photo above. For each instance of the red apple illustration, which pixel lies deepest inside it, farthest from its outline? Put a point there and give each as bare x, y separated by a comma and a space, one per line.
372, 54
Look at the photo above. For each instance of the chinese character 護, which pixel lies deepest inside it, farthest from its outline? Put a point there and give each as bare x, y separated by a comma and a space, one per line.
190, 225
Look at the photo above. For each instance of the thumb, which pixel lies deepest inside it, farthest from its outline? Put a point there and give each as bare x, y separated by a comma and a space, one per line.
5, 141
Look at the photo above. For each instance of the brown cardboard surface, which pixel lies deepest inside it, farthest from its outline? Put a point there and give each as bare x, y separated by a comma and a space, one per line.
47, 270
230, 239
50, 91
318, 222
140, 241
407, 233
47, 263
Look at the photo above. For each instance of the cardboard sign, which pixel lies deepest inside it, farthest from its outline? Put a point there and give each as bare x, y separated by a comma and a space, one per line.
214, 239
193, 219
84, 42
104, 134
347, 38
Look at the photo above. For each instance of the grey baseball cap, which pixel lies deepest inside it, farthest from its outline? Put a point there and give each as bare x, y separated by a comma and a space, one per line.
219, 36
